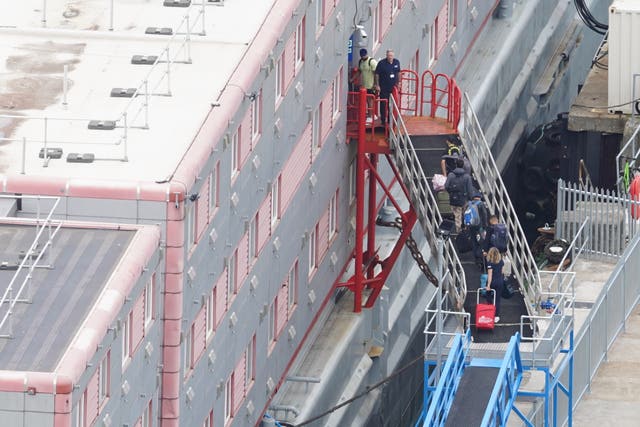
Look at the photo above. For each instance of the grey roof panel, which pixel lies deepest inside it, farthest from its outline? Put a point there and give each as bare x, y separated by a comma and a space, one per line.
82, 260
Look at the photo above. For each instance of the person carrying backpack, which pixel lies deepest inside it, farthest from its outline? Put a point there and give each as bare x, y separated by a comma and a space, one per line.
475, 219
496, 236
460, 188
453, 152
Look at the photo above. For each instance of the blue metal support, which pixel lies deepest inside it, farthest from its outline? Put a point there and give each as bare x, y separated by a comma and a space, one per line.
505, 390
449, 379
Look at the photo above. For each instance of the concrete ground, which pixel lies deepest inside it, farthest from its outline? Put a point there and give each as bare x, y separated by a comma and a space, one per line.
614, 399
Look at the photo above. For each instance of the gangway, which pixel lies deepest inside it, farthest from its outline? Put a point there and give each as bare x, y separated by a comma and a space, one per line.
476, 392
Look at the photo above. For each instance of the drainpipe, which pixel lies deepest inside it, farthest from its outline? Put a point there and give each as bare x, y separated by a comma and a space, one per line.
173, 296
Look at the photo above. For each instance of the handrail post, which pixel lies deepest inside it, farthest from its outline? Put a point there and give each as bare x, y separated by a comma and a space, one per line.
125, 137
111, 15
187, 48
168, 72
46, 152
146, 104
24, 155
44, 13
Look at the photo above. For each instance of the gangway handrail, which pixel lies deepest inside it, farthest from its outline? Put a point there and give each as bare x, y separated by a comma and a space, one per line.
569, 250
424, 202
449, 380
505, 390
496, 196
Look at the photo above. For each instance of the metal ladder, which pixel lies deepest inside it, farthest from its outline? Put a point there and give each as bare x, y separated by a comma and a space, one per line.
497, 200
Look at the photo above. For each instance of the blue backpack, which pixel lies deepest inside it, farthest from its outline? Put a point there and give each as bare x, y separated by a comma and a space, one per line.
499, 237
472, 213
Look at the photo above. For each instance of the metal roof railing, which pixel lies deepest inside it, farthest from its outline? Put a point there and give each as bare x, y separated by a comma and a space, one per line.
156, 82
46, 230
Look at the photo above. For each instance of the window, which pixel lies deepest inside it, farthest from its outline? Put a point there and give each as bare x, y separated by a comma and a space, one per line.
104, 379
432, 45
234, 154
272, 321
232, 269
228, 398
187, 351
253, 238
256, 116
316, 123
210, 313
293, 285
376, 26
313, 246
250, 362
299, 49
275, 200
213, 188
149, 292
191, 225
333, 215
208, 422
279, 78
80, 411
319, 15
126, 339
453, 12
335, 98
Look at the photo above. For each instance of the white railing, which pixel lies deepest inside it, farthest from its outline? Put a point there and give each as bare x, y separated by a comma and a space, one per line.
497, 198
135, 114
425, 205
607, 318
611, 218
46, 230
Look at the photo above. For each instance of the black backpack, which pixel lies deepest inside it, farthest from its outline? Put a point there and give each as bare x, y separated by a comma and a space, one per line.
499, 237
456, 190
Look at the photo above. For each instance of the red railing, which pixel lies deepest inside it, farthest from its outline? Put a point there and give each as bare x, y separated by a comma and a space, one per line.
372, 109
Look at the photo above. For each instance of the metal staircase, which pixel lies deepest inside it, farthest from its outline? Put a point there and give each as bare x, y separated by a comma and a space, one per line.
497, 200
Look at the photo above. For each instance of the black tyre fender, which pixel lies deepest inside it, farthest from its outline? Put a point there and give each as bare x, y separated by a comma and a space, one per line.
555, 250
533, 179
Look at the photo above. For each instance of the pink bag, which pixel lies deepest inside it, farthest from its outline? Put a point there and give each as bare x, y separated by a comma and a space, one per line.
438, 182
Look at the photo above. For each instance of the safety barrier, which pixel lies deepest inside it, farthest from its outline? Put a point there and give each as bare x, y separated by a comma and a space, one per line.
607, 318
505, 391
497, 199
612, 221
425, 205
448, 384
430, 95
21, 281
135, 115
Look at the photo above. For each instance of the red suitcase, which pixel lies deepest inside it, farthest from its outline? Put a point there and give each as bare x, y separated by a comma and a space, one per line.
485, 313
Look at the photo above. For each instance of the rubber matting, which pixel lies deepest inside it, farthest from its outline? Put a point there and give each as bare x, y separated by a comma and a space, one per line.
472, 397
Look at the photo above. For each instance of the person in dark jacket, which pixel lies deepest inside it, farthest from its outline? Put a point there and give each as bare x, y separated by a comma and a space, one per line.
477, 231
495, 278
460, 188
387, 77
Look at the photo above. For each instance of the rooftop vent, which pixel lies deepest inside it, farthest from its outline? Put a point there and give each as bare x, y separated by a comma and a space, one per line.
164, 31
52, 153
81, 158
102, 124
121, 92
177, 3
144, 59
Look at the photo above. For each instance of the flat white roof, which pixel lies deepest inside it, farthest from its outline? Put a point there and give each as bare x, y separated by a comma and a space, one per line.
76, 34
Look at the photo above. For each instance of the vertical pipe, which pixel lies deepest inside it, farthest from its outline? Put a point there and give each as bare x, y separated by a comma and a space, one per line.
125, 137
202, 12
570, 396
65, 85
187, 49
45, 155
111, 15
358, 278
371, 225
44, 13
439, 319
168, 71
24, 155
146, 104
